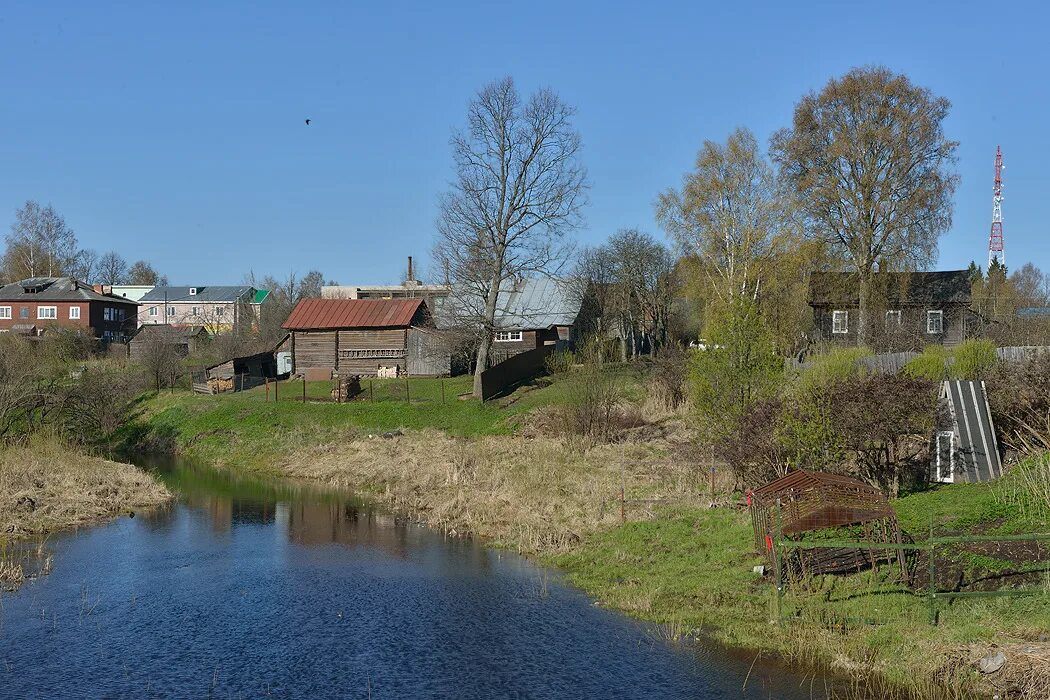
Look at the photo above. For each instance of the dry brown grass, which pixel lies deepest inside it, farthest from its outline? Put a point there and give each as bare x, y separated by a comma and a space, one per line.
535, 496
45, 488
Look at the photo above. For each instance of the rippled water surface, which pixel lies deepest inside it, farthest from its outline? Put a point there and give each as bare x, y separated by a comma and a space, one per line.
250, 589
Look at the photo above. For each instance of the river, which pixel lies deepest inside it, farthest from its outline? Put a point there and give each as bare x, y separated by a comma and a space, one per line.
246, 588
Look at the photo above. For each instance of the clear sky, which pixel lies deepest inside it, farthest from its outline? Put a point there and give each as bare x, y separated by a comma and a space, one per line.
174, 131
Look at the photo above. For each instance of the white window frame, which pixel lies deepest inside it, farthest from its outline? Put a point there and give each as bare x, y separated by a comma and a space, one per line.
193, 291
220, 310
930, 316
950, 476
195, 311
5, 312
74, 313
171, 311
844, 327
153, 311
894, 314
40, 310
507, 337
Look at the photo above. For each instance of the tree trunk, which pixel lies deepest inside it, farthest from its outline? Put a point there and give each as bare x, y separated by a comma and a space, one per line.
863, 284
486, 334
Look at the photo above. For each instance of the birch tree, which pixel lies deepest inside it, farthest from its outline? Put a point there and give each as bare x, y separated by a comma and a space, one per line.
872, 168
729, 214
518, 192
40, 244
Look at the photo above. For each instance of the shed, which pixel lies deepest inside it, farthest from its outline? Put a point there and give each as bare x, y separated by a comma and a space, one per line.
965, 447
805, 501
352, 336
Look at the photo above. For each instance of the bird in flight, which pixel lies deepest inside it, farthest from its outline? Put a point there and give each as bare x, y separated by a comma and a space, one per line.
308, 122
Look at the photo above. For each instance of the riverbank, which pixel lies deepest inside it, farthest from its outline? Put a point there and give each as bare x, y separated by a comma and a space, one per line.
669, 557
45, 488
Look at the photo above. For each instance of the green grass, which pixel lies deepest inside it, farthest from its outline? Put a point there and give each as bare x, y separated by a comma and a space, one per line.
251, 430
695, 567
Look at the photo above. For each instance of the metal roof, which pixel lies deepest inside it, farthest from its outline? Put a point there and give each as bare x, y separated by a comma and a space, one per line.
898, 288
56, 289
202, 293
531, 303
330, 314
168, 331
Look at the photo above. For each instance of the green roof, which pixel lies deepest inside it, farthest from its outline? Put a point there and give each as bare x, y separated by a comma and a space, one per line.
260, 295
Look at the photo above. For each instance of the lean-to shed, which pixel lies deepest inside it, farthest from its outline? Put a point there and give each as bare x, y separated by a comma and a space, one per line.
965, 447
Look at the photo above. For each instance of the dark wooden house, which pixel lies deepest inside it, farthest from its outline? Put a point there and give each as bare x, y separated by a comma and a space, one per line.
906, 311
352, 336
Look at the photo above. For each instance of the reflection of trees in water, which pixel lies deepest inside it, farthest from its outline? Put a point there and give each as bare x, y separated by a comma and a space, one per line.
345, 522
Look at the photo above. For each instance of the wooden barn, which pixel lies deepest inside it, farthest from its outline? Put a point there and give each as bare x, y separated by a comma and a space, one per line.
353, 336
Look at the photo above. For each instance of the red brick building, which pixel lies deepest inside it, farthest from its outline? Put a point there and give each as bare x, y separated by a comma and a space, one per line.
33, 306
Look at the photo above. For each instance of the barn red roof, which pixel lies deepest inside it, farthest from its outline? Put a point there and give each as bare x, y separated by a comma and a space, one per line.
327, 314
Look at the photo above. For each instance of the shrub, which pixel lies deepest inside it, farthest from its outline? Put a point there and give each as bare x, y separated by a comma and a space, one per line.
932, 364
741, 366
559, 362
1019, 399
973, 359
667, 385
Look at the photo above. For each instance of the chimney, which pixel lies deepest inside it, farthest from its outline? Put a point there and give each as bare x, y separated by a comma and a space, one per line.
98, 289
410, 278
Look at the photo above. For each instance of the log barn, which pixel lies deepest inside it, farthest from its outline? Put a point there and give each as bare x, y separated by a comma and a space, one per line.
352, 336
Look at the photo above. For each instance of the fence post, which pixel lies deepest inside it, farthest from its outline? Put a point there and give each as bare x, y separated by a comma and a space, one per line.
442, 381
408, 392
266, 381
276, 383
778, 567
304, 388
930, 553
371, 395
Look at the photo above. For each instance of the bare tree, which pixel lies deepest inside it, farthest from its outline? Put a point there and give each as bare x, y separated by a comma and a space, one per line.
85, 266
872, 168
310, 285
112, 268
40, 243
519, 189
632, 280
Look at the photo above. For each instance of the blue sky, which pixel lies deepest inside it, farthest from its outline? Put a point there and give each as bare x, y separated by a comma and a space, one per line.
174, 132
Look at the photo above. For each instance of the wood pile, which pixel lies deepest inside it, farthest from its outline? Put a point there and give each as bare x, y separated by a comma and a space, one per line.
347, 388
219, 385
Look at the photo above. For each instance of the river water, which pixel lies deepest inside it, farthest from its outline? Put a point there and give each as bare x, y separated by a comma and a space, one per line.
246, 589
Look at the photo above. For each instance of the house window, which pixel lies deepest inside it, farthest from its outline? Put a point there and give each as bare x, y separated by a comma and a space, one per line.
5, 312
74, 313
47, 312
193, 291
111, 314
840, 321
153, 311
194, 311
23, 312
171, 310
893, 318
220, 310
508, 336
934, 322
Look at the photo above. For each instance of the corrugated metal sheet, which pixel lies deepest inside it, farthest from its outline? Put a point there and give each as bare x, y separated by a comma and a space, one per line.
975, 454
325, 314
531, 303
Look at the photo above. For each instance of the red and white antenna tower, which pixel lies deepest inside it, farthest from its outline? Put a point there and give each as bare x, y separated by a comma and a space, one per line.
995, 238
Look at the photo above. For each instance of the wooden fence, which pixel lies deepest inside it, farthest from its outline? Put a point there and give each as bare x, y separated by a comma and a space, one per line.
501, 378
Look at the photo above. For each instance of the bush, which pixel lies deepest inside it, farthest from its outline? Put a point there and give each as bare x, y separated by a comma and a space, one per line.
1019, 399
668, 383
559, 362
973, 359
740, 367
933, 364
